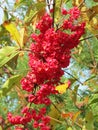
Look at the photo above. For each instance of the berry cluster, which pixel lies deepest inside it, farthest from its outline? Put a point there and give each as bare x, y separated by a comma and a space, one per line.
49, 53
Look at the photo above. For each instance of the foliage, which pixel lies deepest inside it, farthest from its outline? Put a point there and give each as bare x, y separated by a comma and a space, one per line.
75, 106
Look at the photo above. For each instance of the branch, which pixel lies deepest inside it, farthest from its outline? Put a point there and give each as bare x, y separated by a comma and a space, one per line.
55, 120
81, 3
88, 37
53, 12
73, 77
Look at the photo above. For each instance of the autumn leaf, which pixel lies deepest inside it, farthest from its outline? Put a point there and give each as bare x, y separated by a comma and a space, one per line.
75, 116
68, 114
11, 27
62, 88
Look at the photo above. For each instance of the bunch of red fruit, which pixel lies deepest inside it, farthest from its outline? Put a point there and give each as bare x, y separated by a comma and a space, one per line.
49, 53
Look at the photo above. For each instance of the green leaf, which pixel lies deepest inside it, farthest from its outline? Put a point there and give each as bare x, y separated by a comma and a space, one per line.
74, 94
5, 18
89, 120
7, 53
22, 64
94, 101
9, 84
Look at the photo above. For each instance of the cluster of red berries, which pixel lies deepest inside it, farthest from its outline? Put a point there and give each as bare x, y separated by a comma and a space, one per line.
49, 53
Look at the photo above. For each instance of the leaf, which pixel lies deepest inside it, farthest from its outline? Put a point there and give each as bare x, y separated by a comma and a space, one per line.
80, 104
68, 114
11, 27
69, 128
9, 84
74, 94
1, 128
23, 36
7, 53
89, 120
5, 17
37, 17
22, 64
94, 101
34, 13
54, 114
62, 88
75, 116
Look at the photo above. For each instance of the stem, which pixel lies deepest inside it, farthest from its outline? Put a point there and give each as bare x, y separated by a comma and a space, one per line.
81, 3
53, 12
88, 37
56, 108
55, 120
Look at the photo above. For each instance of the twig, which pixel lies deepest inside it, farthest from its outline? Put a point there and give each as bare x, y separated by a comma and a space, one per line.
88, 37
53, 12
73, 77
81, 3
56, 107
55, 120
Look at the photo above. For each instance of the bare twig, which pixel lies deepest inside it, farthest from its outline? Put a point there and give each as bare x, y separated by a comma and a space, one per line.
73, 77
81, 3
53, 12
88, 37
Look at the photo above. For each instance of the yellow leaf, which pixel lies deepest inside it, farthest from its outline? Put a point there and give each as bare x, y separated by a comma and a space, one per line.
23, 37
1, 128
75, 116
62, 88
69, 128
11, 27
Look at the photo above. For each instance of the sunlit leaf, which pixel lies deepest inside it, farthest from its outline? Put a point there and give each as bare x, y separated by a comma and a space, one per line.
15, 35
7, 53
62, 88
69, 128
1, 128
9, 84
74, 118
23, 36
